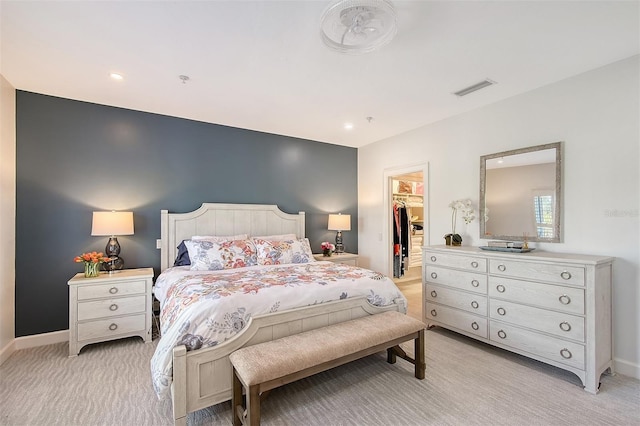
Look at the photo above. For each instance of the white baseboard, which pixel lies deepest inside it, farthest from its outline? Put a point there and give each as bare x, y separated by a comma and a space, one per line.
41, 339
626, 368
6, 352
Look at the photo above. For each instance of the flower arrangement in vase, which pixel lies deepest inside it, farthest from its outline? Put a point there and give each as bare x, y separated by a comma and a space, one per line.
327, 248
92, 262
466, 209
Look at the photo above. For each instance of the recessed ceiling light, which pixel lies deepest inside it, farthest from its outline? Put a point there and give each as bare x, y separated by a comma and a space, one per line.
116, 76
348, 126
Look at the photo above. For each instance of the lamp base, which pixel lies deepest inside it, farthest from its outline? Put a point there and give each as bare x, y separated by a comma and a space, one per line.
339, 245
114, 264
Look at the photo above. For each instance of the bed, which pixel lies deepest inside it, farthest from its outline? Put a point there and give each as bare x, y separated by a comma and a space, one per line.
201, 376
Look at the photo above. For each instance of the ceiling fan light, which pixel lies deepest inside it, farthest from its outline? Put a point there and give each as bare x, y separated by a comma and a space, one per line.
358, 26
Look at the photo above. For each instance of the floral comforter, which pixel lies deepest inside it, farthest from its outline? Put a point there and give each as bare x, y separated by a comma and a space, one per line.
206, 308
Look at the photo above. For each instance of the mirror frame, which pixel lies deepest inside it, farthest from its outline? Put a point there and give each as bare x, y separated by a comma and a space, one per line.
557, 208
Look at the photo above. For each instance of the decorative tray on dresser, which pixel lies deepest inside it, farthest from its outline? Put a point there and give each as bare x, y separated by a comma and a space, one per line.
552, 307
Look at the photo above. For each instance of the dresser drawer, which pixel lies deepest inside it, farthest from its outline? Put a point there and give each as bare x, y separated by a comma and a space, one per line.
457, 299
470, 281
110, 290
111, 307
556, 323
469, 263
564, 299
558, 273
562, 351
106, 328
457, 319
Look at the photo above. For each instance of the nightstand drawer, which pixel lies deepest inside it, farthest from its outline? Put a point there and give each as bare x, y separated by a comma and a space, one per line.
110, 290
111, 307
110, 327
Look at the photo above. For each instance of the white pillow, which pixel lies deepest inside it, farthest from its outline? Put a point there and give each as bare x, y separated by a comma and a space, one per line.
206, 255
283, 252
220, 238
280, 237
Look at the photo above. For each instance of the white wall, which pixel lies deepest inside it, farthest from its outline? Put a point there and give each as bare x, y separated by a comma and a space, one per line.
7, 216
597, 116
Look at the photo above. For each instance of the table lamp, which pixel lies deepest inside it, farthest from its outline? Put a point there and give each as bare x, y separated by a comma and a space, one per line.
112, 223
339, 222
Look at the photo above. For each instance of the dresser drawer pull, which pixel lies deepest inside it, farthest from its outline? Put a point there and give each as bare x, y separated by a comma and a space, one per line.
475, 325
474, 264
474, 305
502, 334
475, 283
502, 268
434, 275
113, 326
500, 288
113, 307
564, 299
433, 258
113, 290
565, 353
501, 311
565, 326
434, 293
566, 275
434, 313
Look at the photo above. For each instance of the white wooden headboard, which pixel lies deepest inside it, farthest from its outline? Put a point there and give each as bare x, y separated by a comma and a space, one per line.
223, 220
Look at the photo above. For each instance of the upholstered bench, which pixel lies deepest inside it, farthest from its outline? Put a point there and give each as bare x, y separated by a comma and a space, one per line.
267, 365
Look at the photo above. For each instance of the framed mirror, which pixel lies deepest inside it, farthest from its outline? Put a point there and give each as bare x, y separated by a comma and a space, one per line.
521, 194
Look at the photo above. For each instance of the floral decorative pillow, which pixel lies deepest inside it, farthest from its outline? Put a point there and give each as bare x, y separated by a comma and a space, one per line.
283, 252
182, 259
209, 255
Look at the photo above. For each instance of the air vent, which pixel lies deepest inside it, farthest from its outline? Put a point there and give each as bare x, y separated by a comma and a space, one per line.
474, 87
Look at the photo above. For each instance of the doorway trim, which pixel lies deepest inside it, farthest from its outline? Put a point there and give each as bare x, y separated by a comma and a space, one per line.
387, 229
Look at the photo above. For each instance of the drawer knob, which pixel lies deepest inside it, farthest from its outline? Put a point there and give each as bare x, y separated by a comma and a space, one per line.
500, 288
113, 326
501, 311
502, 334
565, 326
434, 293
434, 313
113, 307
474, 264
475, 325
564, 299
474, 304
475, 283
565, 353
434, 275
502, 268
433, 258
113, 290
566, 275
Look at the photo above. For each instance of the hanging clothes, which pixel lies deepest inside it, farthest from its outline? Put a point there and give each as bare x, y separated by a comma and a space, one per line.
401, 226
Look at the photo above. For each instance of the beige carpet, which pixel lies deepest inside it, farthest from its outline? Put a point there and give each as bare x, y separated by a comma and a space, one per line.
467, 383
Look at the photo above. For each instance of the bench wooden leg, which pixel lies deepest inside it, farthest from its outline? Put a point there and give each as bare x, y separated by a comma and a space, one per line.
237, 408
253, 405
418, 356
391, 355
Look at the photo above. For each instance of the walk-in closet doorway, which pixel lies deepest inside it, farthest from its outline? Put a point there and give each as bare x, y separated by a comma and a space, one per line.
407, 231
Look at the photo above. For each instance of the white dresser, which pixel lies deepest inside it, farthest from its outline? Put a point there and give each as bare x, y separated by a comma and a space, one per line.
553, 307
110, 306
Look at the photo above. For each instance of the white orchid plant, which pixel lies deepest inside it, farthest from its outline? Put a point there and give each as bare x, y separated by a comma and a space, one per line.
465, 207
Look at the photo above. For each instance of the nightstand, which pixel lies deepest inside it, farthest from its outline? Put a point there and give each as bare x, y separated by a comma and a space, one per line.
110, 306
346, 258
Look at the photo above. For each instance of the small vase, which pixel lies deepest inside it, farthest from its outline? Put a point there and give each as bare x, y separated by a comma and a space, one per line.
326, 252
91, 269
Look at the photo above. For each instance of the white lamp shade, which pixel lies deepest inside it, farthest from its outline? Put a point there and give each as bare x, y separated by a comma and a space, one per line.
339, 222
112, 223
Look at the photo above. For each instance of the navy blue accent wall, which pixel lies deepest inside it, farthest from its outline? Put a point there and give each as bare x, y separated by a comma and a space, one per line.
74, 158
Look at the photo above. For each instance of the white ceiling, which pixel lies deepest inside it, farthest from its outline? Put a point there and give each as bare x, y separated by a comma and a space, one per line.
261, 65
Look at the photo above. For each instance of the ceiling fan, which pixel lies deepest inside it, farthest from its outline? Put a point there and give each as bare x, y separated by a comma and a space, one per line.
358, 26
